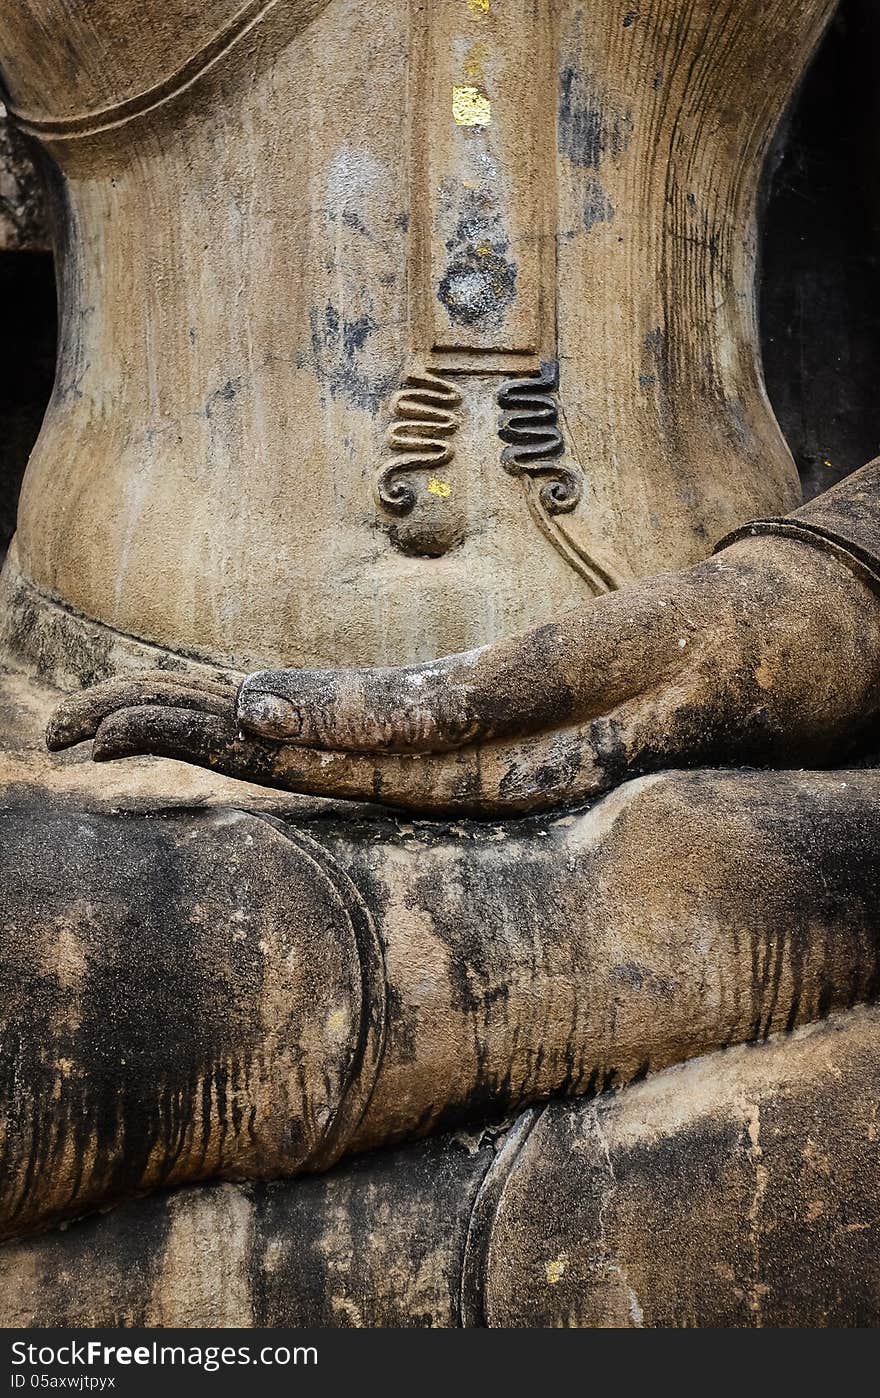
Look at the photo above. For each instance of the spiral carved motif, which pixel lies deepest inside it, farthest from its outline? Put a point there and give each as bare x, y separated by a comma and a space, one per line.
530, 427
424, 419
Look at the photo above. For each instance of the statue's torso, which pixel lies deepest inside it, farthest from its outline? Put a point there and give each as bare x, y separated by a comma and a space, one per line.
306, 248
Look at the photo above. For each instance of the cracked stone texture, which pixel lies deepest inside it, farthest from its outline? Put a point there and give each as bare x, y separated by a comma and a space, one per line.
754, 1167
734, 1191
714, 1201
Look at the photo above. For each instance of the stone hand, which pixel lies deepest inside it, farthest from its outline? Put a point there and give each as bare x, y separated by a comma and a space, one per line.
767, 654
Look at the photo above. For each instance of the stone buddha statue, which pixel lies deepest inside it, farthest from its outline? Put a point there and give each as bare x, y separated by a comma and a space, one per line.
409, 447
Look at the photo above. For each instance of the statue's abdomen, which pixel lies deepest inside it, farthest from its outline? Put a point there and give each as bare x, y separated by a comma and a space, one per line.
388, 329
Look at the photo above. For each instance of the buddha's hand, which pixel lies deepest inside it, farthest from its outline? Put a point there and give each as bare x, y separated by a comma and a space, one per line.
768, 653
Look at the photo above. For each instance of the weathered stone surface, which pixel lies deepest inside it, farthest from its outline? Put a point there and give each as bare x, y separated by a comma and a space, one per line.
196, 993
222, 426
738, 1190
282, 386
185, 998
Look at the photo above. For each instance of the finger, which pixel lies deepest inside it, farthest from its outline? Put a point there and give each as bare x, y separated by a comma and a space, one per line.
216, 683
414, 708
565, 672
215, 742
184, 733
499, 780
78, 718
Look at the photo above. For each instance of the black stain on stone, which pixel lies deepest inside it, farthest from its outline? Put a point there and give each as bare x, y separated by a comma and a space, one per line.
158, 1007
581, 132
478, 287
118, 1259
656, 374
338, 347
227, 393
655, 341
356, 333
589, 129
378, 1242
597, 206
355, 222
737, 426
480, 279
331, 322
612, 752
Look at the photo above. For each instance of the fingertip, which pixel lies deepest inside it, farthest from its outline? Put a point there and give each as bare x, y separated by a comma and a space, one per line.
126, 733
57, 736
267, 715
109, 743
67, 727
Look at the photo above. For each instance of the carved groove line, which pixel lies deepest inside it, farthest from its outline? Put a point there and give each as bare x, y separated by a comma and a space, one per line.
474, 1277
423, 421
369, 1050
173, 85
530, 426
